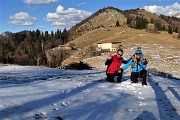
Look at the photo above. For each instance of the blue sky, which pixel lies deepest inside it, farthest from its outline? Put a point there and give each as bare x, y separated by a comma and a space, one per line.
18, 15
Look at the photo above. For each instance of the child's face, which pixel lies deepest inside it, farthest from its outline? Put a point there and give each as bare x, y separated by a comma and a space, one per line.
138, 55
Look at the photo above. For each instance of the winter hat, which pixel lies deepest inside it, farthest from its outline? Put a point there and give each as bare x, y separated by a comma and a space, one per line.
138, 51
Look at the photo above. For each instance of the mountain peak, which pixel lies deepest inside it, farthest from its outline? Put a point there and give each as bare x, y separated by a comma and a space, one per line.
105, 17
177, 15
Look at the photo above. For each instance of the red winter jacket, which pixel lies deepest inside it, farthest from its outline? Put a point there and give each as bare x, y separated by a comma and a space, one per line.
114, 65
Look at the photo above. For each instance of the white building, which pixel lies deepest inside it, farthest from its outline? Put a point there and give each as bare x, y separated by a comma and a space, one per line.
109, 45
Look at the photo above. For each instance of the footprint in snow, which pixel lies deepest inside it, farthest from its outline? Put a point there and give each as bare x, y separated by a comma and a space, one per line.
135, 91
41, 115
54, 104
56, 109
142, 104
65, 104
141, 98
67, 91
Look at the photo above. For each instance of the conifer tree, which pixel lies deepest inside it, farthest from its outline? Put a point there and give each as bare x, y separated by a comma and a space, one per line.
64, 36
176, 29
158, 26
170, 31
52, 34
117, 23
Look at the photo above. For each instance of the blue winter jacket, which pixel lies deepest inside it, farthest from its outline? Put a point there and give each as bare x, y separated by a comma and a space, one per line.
138, 66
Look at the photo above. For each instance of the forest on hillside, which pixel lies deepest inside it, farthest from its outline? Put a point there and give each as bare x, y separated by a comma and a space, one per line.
27, 47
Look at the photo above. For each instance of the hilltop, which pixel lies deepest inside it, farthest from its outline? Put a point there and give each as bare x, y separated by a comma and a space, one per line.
134, 18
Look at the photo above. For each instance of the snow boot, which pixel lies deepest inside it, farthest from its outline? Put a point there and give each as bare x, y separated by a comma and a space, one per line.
109, 79
144, 82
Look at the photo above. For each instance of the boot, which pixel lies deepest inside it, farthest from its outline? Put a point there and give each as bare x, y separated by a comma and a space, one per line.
109, 79
144, 82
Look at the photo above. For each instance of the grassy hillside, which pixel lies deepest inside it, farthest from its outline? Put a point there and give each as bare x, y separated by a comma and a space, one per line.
161, 49
127, 36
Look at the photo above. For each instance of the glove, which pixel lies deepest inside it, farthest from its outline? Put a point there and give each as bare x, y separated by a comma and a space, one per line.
145, 62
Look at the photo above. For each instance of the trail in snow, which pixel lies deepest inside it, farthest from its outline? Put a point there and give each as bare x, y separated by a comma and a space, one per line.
33, 92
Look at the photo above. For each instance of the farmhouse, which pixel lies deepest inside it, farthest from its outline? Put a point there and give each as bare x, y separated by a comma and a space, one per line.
109, 45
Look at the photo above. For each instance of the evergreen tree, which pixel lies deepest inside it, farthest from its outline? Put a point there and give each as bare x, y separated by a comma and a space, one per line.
152, 21
164, 28
46, 36
176, 29
117, 23
158, 26
129, 21
37, 34
64, 36
58, 34
33, 36
52, 34
170, 31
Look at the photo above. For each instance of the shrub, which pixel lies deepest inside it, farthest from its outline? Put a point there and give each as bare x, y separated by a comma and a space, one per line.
78, 66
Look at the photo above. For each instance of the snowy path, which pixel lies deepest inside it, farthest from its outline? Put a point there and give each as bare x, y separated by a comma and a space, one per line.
83, 95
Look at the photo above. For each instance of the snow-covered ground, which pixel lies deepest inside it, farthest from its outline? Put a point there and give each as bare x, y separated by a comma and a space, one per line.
28, 93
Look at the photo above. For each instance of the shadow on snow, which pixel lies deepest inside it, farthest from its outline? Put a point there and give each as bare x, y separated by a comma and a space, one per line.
166, 110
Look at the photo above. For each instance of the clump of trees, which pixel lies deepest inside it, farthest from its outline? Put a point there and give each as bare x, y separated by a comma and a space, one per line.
28, 47
138, 22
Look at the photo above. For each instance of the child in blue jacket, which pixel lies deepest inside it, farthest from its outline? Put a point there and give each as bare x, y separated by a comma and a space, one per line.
138, 64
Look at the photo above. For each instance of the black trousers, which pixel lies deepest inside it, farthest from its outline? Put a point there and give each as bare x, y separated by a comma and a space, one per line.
110, 77
142, 74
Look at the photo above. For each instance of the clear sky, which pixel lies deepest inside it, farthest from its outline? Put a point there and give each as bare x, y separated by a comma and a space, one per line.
18, 15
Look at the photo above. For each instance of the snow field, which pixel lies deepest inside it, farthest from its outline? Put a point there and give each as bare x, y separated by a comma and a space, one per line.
42, 93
